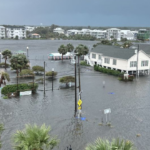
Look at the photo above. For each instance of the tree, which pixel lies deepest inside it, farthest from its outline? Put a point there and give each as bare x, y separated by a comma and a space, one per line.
16, 38
50, 73
38, 69
1, 130
81, 50
67, 79
19, 62
70, 47
4, 76
62, 50
6, 54
116, 144
127, 44
34, 138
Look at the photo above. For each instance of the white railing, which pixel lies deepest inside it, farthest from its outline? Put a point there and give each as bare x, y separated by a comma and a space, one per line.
86, 57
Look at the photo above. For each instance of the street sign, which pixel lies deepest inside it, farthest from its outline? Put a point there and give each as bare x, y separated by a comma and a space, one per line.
107, 111
79, 102
25, 93
79, 107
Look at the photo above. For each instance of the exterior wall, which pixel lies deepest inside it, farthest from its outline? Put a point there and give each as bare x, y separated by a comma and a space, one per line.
30, 29
2, 32
141, 57
59, 30
116, 33
121, 64
13, 32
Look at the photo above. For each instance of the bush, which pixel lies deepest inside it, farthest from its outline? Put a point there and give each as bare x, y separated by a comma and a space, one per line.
21, 87
50, 73
5, 97
84, 63
108, 71
3, 65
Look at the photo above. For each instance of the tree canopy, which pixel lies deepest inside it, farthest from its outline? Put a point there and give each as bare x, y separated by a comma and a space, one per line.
50, 73
4, 76
27, 72
70, 47
1, 130
34, 138
81, 50
115, 144
6, 54
67, 79
38, 69
62, 50
19, 62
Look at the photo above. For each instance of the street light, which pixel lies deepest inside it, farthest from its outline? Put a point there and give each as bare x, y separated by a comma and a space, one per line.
52, 77
27, 50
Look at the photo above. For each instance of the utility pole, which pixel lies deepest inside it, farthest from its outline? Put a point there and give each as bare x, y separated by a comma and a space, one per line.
137, 72
52, 77
75, 90
44, 77
79, 76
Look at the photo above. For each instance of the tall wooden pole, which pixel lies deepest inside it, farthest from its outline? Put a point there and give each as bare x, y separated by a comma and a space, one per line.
75, 90
44, 77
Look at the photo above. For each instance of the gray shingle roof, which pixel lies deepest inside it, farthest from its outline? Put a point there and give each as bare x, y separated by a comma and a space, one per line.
114, 51
117, 52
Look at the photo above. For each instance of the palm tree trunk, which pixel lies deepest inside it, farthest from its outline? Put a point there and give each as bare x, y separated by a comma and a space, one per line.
62, 57
5, 62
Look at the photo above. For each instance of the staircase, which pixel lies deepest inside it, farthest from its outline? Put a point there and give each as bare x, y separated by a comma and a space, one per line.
86, 57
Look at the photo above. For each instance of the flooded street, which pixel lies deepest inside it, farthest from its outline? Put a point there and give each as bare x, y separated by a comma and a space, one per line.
129, 102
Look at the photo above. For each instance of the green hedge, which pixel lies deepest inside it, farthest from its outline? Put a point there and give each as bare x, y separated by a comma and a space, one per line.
21, 87
108, 71
3, 65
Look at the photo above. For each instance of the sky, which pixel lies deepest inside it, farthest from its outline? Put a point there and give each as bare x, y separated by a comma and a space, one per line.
130, 13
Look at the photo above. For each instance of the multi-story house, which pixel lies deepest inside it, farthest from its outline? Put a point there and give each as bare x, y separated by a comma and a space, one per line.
29, 28
13, 32
113, 33
2, 32
129, 35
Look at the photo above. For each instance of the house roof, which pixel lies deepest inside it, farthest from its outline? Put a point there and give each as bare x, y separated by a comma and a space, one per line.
123, 53
114, 51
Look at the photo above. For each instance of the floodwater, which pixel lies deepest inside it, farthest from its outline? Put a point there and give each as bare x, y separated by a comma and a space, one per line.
129, 102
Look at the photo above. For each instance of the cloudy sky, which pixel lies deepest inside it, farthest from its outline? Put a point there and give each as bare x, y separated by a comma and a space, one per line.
76, 12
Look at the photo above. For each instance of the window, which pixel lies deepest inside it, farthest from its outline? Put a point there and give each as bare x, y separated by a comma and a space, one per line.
99, 57
107, 60
144, 63
114, 61
94, 56
132, 63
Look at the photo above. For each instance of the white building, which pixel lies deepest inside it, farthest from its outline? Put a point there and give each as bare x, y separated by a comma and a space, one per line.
124, 60
2, 32
72, 32
29, 28
13, 32
59, 30
113, 32
129, 35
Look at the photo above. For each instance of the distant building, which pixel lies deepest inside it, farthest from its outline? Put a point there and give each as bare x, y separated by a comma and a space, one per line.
59, 30
34, 35
15, 31
72, 32
143, 34
29, 28
2, 32
129, 35
113, 33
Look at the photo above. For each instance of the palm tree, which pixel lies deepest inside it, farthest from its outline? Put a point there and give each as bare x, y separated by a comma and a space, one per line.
1, 130
34, 138
81, 50
62, 50
4, 76
6, 54
70, 47
116, 144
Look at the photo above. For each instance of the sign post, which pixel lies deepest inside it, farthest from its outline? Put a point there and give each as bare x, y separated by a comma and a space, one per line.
107, 111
